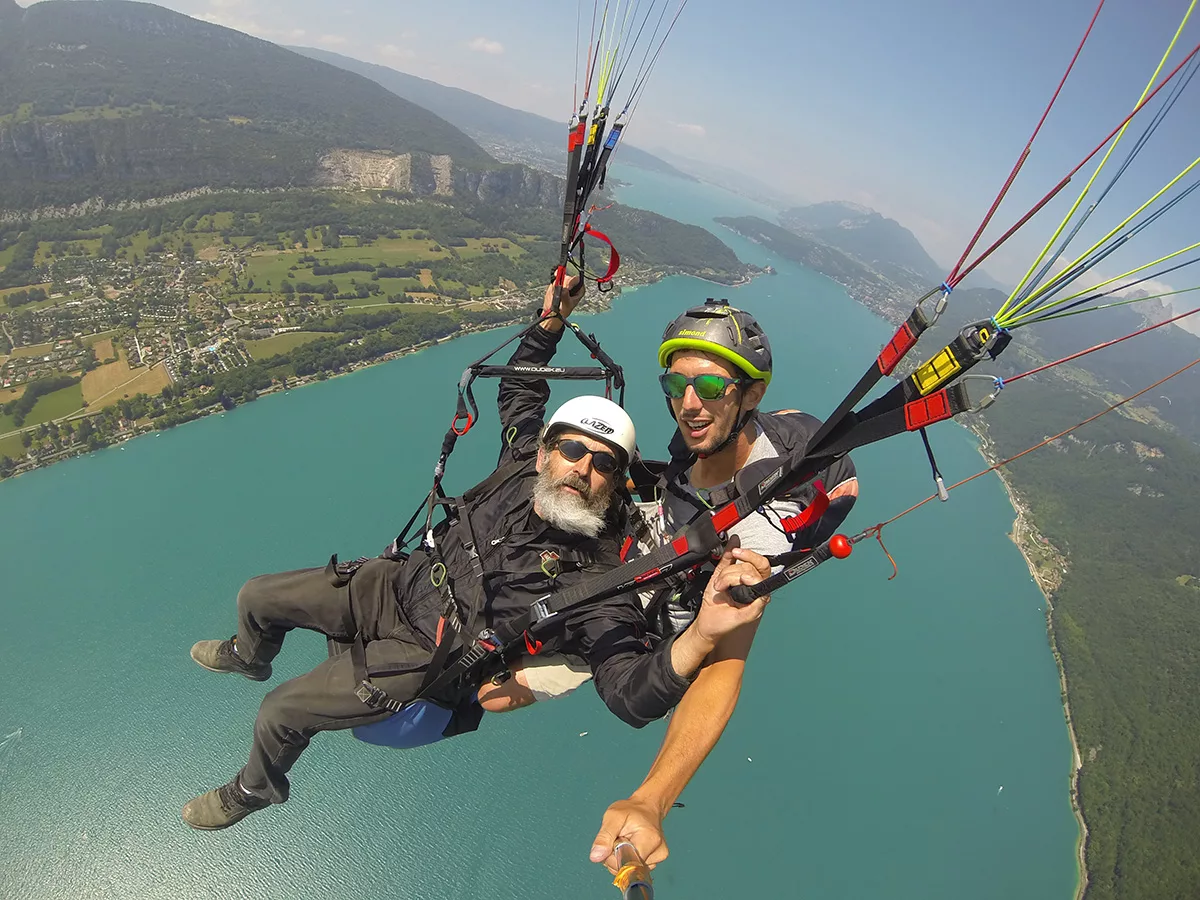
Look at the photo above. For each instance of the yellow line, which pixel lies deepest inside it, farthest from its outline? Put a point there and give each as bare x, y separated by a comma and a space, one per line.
1058, 232
1032, 298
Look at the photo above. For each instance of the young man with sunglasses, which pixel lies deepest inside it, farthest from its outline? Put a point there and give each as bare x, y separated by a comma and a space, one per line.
545, 520
718, 365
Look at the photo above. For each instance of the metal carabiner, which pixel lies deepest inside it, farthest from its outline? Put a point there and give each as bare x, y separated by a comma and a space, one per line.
995, 382
942, 294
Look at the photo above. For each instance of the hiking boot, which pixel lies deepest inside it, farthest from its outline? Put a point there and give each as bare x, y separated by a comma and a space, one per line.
220, 656
225, 806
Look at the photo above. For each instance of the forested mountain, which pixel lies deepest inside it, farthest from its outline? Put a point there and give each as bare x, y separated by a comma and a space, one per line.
507, 132
882, 243
129, 100
1114, 508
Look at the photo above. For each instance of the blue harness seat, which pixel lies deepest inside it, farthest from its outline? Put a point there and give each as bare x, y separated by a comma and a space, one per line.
414, 726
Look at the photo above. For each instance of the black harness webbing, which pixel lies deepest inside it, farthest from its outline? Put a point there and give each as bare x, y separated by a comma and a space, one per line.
844, 431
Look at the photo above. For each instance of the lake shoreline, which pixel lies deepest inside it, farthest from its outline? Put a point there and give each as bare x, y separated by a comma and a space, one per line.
601, 302
1047, 578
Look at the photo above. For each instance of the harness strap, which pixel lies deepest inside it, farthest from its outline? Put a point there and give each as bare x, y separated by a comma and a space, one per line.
810, 514
373, 696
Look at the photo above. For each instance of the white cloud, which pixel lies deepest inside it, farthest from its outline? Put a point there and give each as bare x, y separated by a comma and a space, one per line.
229, 14
486, 45
1153, 286
690, 128
333, 40
393, 52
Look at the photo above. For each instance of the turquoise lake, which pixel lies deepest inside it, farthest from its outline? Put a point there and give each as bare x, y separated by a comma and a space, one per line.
878, 722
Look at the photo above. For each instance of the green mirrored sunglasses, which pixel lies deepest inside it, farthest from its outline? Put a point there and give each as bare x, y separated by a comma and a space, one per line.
707, 387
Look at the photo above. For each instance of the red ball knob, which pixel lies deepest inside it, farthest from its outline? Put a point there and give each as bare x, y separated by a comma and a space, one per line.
840, 546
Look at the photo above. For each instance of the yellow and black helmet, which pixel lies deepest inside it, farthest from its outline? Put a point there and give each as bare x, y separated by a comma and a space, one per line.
721, 329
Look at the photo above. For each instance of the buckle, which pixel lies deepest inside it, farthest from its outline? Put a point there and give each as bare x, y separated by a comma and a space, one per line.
375, 698
540, 609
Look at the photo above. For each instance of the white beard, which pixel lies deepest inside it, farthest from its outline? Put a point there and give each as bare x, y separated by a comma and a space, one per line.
569, 512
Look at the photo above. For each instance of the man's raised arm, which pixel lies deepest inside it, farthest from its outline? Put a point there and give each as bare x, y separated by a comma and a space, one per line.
522, 401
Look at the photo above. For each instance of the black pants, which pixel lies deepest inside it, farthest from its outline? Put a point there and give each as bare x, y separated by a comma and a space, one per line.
270, 606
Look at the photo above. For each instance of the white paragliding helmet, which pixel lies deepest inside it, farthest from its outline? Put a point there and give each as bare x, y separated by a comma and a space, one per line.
598, 418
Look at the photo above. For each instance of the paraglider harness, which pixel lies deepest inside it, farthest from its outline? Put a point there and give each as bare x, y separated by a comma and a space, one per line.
653, 480
922, 399
459, 616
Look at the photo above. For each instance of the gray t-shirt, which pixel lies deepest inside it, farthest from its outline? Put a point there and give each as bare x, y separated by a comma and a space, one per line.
760, 531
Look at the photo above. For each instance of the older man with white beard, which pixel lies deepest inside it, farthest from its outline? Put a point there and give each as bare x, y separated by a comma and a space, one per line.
543, 522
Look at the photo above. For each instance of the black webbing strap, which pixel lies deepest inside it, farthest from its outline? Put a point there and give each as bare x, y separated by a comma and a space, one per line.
368, 693
889, 357
575, 141
587, 168
595, 164
576, 373
975, 343
703, 537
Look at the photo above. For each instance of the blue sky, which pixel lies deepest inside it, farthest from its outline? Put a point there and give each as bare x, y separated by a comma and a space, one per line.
915, 108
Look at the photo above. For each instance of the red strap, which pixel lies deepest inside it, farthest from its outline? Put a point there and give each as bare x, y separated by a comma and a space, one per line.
809, 514
575, 137
902, 341
441, 625
614, 258
454, 423
625, 547
927, 410
532, 646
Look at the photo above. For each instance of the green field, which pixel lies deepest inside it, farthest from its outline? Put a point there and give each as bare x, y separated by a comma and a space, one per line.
274, 265
475, 247
52, 406
6, 291
24, 111
31, 350
11, 447
281, 343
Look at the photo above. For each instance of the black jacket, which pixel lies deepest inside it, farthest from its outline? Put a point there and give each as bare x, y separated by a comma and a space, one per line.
514, 547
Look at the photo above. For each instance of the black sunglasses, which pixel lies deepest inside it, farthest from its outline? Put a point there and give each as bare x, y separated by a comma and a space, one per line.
602, 461
708, 387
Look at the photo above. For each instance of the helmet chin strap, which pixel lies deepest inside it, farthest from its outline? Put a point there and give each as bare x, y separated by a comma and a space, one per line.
743, 419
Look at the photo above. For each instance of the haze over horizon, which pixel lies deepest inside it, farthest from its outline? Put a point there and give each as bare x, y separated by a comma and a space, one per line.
917, 111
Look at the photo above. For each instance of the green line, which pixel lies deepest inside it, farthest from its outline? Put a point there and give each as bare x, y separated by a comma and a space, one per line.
1076, 312
1013, 318
1062, 227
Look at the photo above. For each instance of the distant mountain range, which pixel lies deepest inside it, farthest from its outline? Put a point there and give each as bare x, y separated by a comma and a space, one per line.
736, 180
509, 134
128, 100
882, 243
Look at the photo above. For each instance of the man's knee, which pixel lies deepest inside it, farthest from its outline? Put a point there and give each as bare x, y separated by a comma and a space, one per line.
253, 592
285, 713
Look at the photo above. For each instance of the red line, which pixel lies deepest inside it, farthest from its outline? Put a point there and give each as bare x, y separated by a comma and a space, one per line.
1025, 153
1100, 346
954, 281
875, 530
